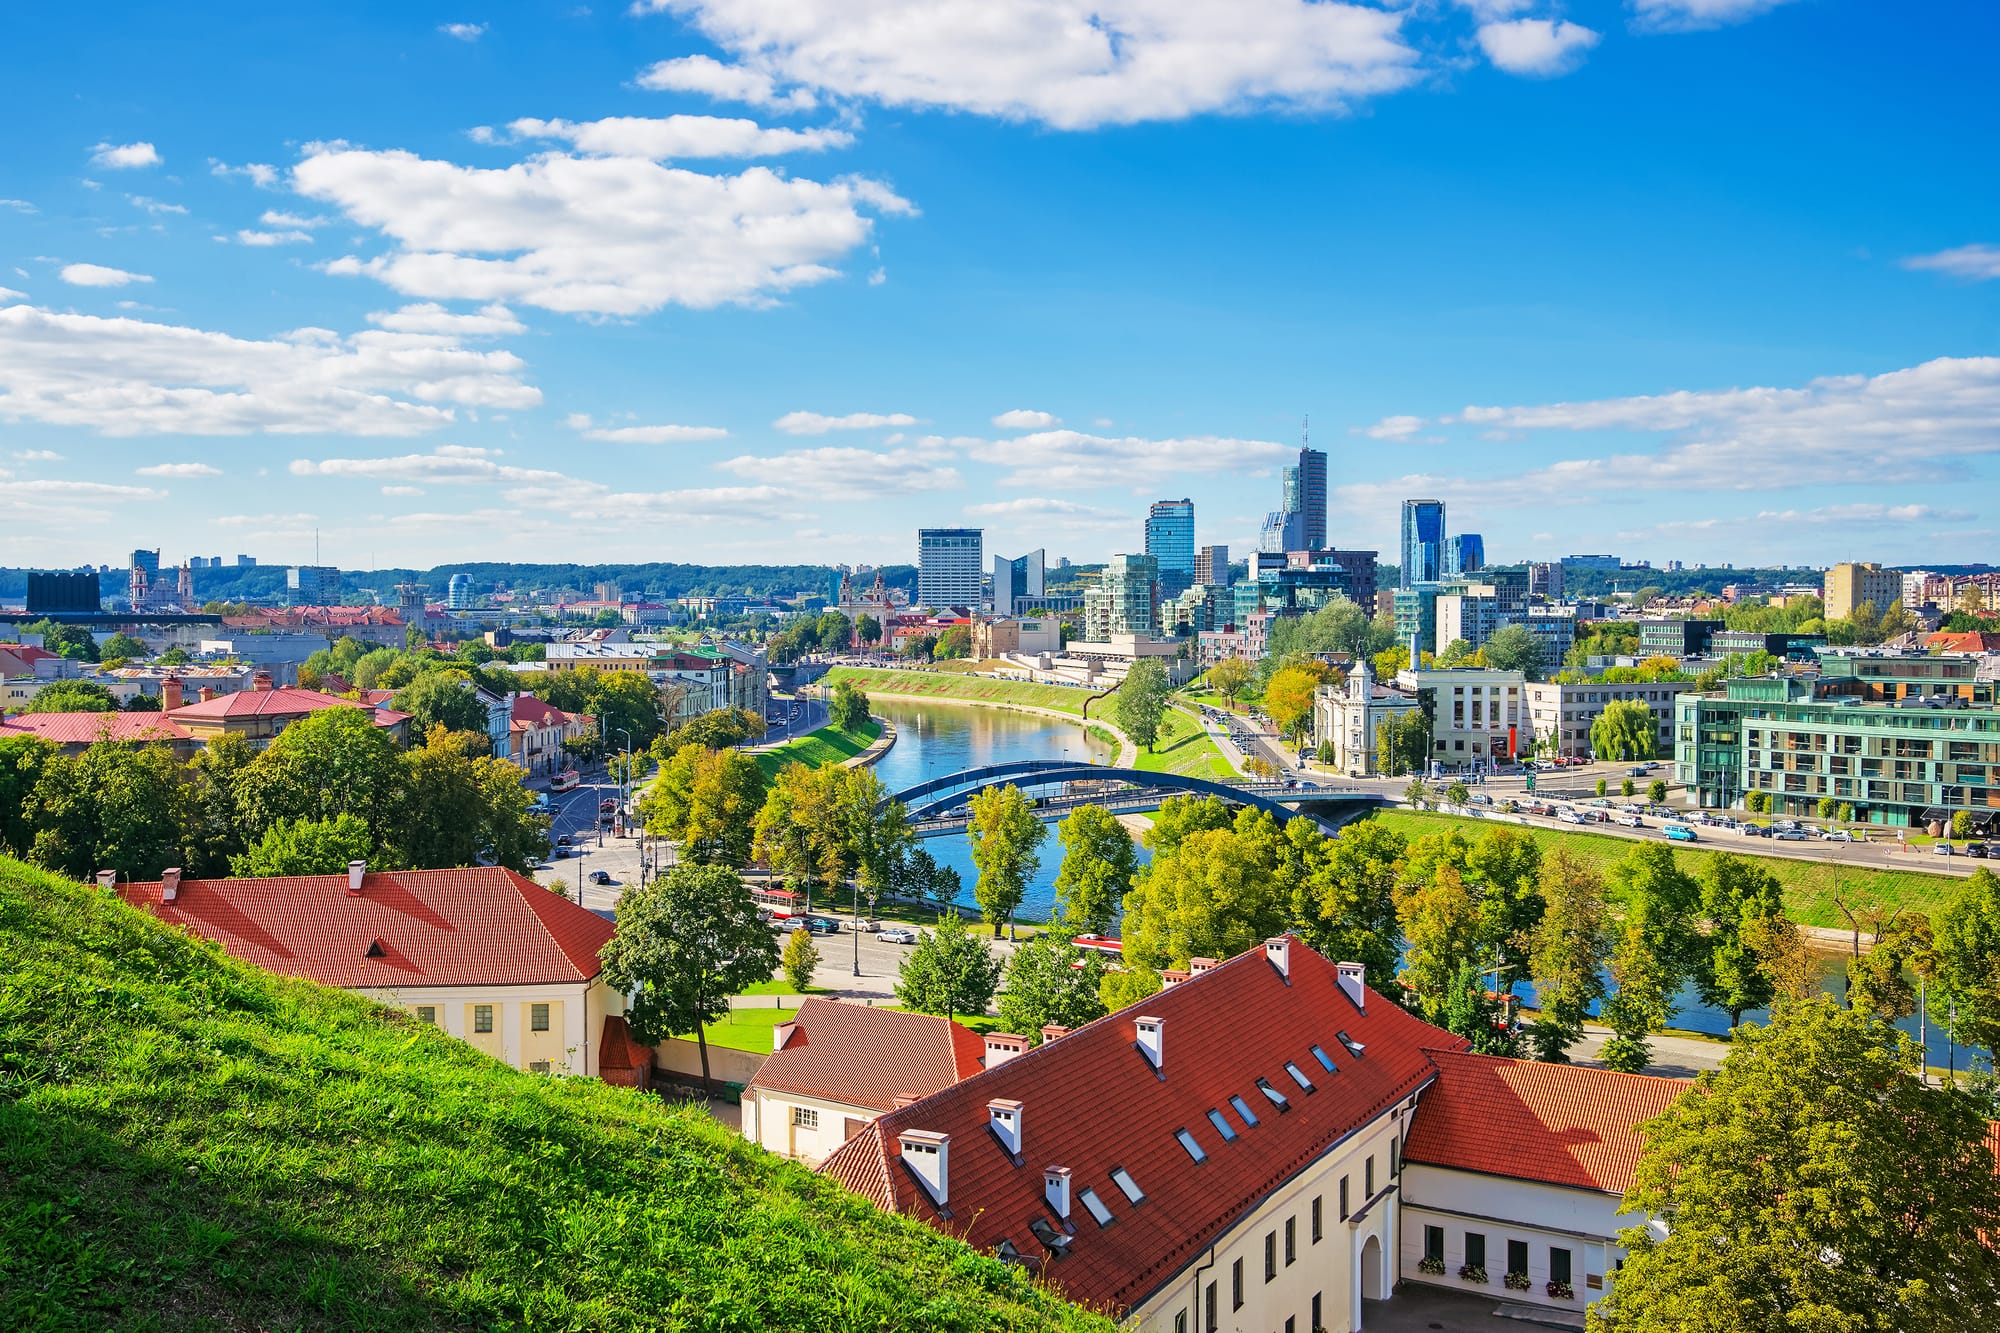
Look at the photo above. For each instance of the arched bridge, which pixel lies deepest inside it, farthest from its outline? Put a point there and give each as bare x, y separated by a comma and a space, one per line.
937, 806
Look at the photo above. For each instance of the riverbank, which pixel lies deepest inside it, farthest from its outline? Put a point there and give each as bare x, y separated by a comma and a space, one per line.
951, 686
1128, 751
828, 745
1812, 889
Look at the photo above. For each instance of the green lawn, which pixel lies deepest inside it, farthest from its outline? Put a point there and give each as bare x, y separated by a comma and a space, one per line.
970, 689
189, 1143
1810, 886
828, 745
748, 1029
1184, 747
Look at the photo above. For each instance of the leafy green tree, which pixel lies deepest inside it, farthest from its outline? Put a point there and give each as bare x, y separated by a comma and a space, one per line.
799, 830
867, 629
1051, 980
462, 804
1457, 653
849, 709
1099, 861
211, 819
1961, 824
1230, 678
685, 943
1757, 802
1217, 893
1738, 897
953, 643
441, 699
1967, 962
72, 696
1652, 951
718, 729
1141, 702
878, 833
921, 876
1005, 836
1179, 816
112, 807
1402, 744
707, 801
1656, 791
1625, 730
1812, 1183
366, 672
1828, 807
1627, 788
1340, 626
1417, 794
834, 631
1567, 953
71, 641
1288, 698
1600, 786
799, 958
1473, 1011
143, 703
1441, 920
949, 972
1516, 648
1344, 895
1878, 980
174, 657
22, 759
1506, 865
306, 847
333, 762
1457, 793
124, 645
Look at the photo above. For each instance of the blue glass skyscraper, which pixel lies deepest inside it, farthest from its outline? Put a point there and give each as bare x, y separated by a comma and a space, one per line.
1423, 542
1170, 541
1464, 554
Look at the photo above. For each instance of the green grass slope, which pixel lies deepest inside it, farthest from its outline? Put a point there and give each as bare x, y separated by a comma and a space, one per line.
816, 749
951, 686
189, 1143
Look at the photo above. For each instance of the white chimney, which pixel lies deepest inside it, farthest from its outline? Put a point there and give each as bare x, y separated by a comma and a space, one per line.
107, 880
1151, 1036
1002, 1047
1004, 1119
1197, 966
1279, 953
355, 870
1171, 977
1055, 1188
170, 884
928, 1154
1352, 976
1050, 1031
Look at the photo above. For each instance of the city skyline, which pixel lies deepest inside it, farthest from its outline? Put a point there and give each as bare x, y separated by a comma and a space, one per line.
356, 287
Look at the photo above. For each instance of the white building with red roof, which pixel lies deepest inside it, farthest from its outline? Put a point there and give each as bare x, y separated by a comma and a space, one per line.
491, 957
537, 730
262, 711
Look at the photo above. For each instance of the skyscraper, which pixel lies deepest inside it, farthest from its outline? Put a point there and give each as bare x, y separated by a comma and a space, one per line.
1125, 600
1310, 484
1211, 566
1018, 583
950, 567
1423, 542
1170, 541
1464, 554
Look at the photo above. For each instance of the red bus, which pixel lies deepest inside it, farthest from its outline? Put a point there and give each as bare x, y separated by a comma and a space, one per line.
567, 780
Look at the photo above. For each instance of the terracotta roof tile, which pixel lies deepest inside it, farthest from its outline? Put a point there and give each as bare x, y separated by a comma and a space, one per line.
618, 1049
1092, 1102
860, 1056
1558, 1124
288, 702
482, 925
89, 728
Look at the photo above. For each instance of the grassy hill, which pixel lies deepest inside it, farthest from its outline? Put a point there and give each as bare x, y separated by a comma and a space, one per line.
949, 686
189, 1143
816, 749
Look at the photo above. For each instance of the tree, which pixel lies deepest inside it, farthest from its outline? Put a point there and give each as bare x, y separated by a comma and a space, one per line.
921, 876
1051, 980
1474, 1012
1516, 648
71, 696
1567, 952
1458, 794
1651, 951
1757, 802
441, 698
955, 642
1456, 653
1289, 699
124, 645
1230, 677
799, 958
949, 972
462, 805
1828, 807
1098, 863
1441, 920
1739, 897
1656, 791
834, 630
1416, 794
1602, 786
1627, 787
1141, 701
685, 943
1967, 963
1344, 898
1178, 816
1878, 980
22, 759
1005, 835
1813, 1182
71, 641
1217, 893
1961, 824
1402, 744
211, 821
707, 801
867, 629
333, 762
717, 729
112, 807
1625, 730
849, 709
798, 830
306, 847
143, 703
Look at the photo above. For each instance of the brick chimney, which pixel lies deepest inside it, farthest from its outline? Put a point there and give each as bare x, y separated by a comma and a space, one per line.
206, 693
1050, 1031
261, 682
903, 1099
170, 884
1197, 966
170, 694
355, 871
1002, 1047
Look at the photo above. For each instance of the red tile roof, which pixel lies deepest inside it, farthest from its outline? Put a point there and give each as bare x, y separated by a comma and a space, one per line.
1964, 641
26, 652
1558, 1124
534, 712
277, 703
1092, 1102
89, 728
619, 1050
479, 926
860, 1056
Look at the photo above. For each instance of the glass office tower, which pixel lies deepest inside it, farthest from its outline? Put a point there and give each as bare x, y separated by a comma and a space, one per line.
1423, 542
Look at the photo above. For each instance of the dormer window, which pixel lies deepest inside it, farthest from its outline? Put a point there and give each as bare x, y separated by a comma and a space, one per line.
1052, 1240
1277, 1099
1354, 1048
1194, 1149
1008, 1254
1096, 1207
1325, 1060
1222, 1126
1243, 1109
1298, 1076
1130, 1187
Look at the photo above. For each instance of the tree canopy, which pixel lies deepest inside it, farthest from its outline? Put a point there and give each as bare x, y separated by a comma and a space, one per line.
1099, 861
1005, 838
1141, 702
1625, 730
1051, 980
71, 696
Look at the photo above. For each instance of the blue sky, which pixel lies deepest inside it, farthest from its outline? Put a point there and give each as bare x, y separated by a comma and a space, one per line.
724, 280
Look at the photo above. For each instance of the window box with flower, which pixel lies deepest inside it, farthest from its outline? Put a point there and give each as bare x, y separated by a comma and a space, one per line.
1561, 1291
1431, 1266
1516, 1281
1473, 1273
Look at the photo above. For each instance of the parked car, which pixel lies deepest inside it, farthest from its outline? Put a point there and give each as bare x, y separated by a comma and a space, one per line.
1977, 850
600, 877
898, 935
1630, 821
1754, 831
1569, 817
558, 852
1789, 835
1680, 833
822, 925
1836, 835
1943, 849
563, 841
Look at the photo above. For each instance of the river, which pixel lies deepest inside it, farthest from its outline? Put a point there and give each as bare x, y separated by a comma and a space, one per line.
935, 739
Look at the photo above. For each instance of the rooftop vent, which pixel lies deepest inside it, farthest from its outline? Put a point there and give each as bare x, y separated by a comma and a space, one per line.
928, 1155
1353, 977
107, 880
1002, 1047
1151, 1035
1173, 977
1278, 953
1055, 1188
1004, 1119
170, 884
355, 871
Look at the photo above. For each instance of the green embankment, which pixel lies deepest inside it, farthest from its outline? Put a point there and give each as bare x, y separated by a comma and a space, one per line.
828, 745
189, 1143
972, 689
1184, 747
1810, 886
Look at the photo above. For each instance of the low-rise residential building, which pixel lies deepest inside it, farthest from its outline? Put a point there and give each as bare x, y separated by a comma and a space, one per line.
1002, 638
537, 731
486, 955
1560, 713
73, 733
18, 659
1741, 642
1479, 715
261, 712
836, 1067
1669, 637
1346, 715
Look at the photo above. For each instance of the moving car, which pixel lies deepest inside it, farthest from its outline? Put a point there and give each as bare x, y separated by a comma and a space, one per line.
821, 925
1680, 833
563, 841
1629, 821
898, 935
600, 877
1836, 835
1943, 849
1790, 835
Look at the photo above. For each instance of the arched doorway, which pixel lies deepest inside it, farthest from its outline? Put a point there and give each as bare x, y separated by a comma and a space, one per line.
1373, 1288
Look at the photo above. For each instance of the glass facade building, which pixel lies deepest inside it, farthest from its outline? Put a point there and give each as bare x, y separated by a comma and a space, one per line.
1423, 542
1170, 541
1464, 554
950, 567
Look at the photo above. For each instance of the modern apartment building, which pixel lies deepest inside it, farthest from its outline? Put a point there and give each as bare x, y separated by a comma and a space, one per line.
312, 585
1360, 568
1126, 599
1018, 584
1905, 740
1423, 542
1677, 638
1305, 495
1848, 585
1560, 715
950, 567
1211, 566
1475, 611
1170, 542
1416, 617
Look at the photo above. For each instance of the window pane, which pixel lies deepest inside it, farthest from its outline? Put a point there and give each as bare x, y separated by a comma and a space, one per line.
1242, 1108
1193, 1148
1558, 1265
1475, 1249
1434, 1243
538, 1018
1517, 1256
1222, 1126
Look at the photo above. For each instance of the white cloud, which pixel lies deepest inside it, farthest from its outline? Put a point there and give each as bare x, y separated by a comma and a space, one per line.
1692, 15
260, 174
38, 455
447, 464
127, 376
124, 156
1039, 507
1976, 263
1541, 48
837, 472
97, 275
814, 423
465, 32
679, 136
430, 317
581, 423
726, 83
9, 294
269, 238
290, 221
1393, 428
1488, 10
402, 490
19, 205
1073, 64
587, 235
1022, 418
153, 206
180, 470
1073, 460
